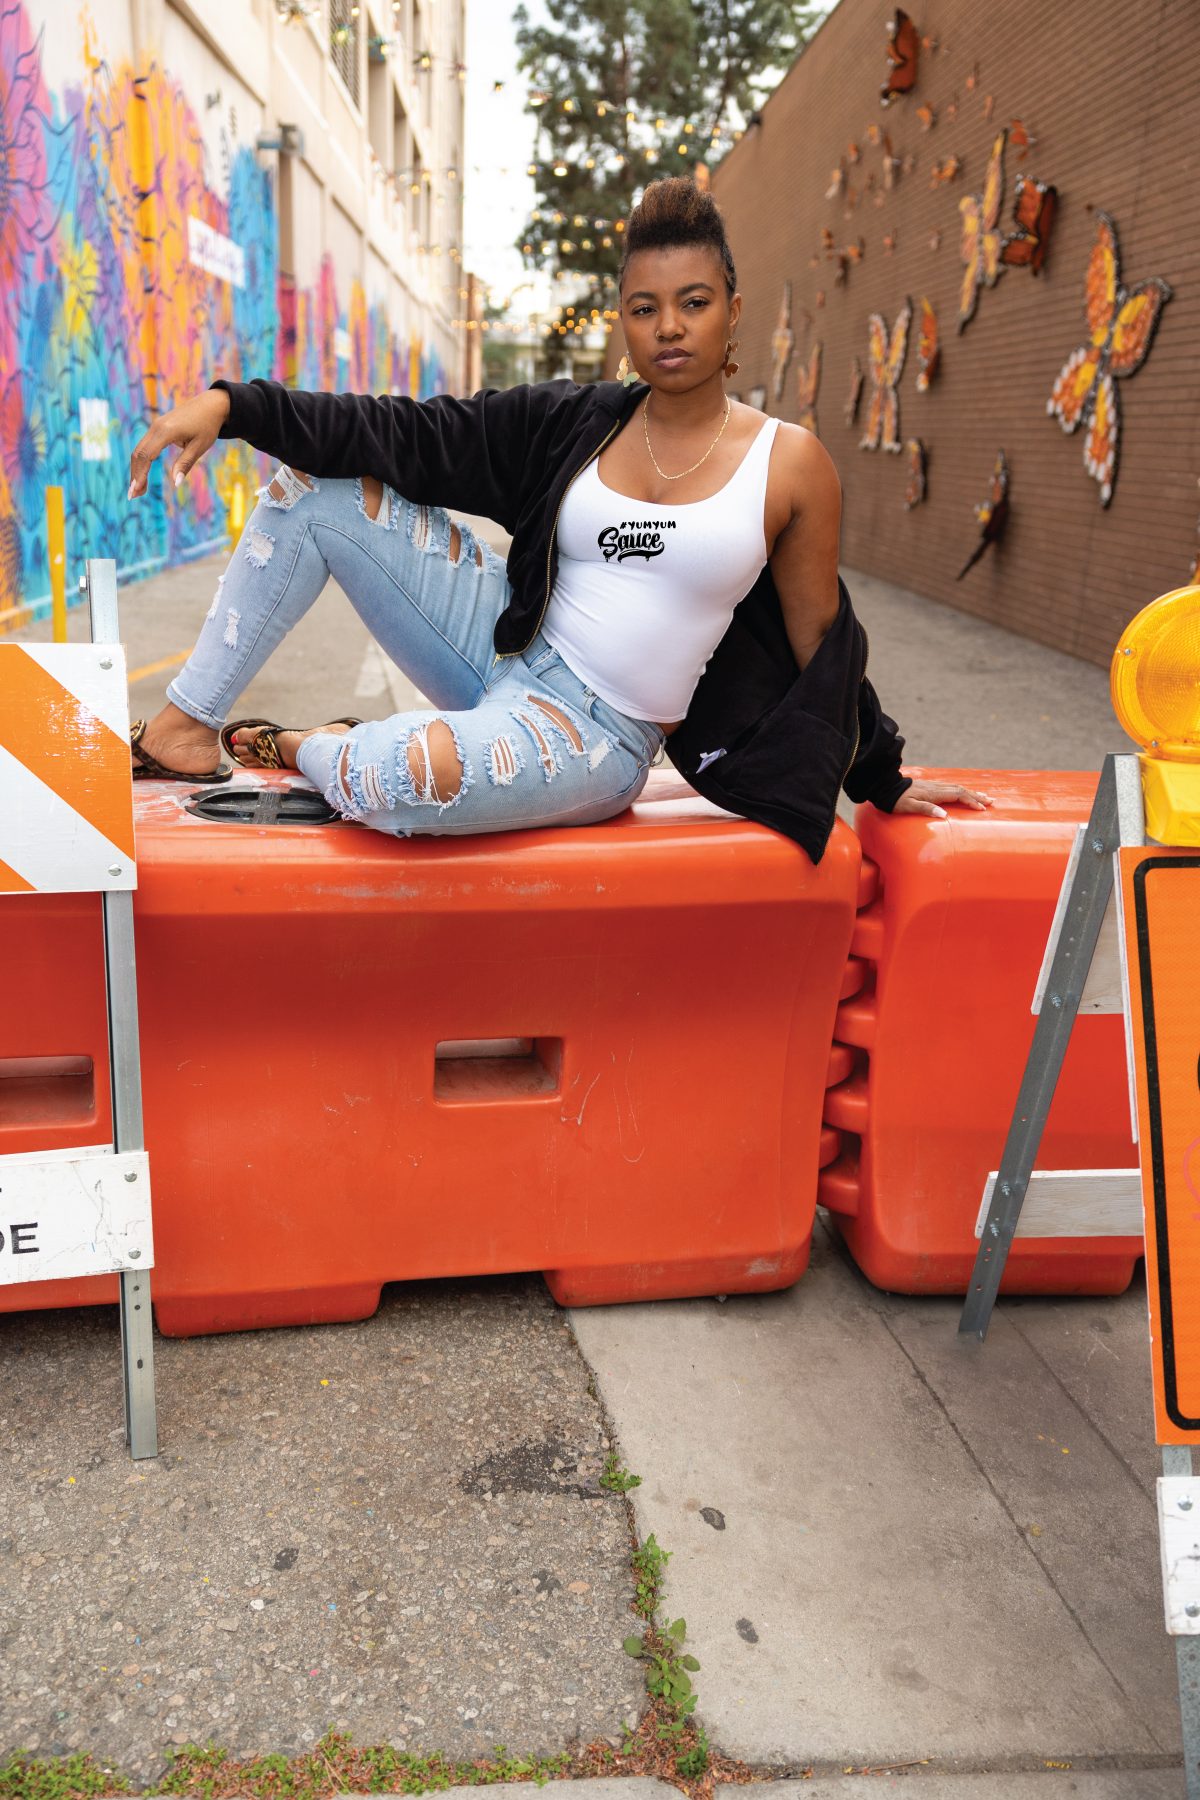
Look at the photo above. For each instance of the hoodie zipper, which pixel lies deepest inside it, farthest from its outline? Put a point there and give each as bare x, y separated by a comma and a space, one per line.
504, 654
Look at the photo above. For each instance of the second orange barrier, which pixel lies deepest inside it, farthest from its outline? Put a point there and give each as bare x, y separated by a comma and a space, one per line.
930, 1043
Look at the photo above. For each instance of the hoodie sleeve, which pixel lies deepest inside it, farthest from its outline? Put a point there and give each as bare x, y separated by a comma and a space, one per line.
874, 774
472, 454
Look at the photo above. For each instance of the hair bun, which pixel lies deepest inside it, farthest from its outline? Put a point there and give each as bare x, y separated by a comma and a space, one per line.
674, 212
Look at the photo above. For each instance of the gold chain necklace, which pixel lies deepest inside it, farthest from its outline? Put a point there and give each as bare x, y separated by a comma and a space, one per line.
695, 465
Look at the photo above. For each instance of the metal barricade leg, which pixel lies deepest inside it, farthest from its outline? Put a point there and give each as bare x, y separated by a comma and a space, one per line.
1177, 1460
1084, 916
120, 969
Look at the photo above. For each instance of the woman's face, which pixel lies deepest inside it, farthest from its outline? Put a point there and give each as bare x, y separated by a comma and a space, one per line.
677, 316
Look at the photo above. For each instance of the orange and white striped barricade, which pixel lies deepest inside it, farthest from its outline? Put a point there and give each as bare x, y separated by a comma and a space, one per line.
66, 826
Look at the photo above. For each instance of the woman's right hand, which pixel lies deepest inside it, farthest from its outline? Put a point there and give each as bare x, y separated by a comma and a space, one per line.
192, 426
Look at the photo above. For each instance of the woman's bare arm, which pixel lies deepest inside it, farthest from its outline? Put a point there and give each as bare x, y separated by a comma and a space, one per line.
804, 567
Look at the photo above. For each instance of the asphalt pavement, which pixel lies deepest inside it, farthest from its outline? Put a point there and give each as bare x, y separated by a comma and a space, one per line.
900, 1562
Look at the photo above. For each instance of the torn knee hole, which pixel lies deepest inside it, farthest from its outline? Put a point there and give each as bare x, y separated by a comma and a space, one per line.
434, 763
479, 554
455, 544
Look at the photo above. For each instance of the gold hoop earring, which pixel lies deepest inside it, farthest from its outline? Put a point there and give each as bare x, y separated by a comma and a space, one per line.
626, 373
731, 368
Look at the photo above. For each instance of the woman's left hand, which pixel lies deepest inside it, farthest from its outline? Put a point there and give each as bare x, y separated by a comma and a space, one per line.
932, 797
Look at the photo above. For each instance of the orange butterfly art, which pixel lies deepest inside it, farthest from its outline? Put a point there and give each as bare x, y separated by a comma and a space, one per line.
914, 487
1033, 217
981, 241
782, 340
886, 356
903, 45
992, 515
927, 347
807, 382
1121, 326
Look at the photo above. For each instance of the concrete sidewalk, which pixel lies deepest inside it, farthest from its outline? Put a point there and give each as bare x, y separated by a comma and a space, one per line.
889, 1548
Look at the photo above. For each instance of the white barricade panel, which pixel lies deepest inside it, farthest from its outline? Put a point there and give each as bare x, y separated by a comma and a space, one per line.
66, 792
74, 1212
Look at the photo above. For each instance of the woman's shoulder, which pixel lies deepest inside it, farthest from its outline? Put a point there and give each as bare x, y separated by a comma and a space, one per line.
803, 474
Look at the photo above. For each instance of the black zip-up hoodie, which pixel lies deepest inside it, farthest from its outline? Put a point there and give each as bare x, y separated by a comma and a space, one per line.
762, 737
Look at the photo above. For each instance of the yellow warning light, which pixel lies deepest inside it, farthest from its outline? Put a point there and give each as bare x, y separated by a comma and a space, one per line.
1155, 682
1155, 677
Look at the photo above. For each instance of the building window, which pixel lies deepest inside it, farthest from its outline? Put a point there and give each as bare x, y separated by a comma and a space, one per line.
344, 21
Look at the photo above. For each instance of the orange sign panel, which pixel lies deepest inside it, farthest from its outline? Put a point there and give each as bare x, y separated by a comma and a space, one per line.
1161, 892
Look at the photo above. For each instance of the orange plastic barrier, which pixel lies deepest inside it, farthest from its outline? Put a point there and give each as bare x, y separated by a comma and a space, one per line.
657, 994
931, 1040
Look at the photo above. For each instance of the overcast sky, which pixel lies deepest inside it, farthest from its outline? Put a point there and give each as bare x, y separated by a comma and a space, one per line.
498, 195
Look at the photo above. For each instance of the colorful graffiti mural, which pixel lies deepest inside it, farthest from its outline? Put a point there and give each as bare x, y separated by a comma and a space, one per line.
131, 272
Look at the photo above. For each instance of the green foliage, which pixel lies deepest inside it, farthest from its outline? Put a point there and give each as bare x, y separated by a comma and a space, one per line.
687, 70
334, 1765
668, 1674
617, 1479
25, 1777
693, 1763
649, 1566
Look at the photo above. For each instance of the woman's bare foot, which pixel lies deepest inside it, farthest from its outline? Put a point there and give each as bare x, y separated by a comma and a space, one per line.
178, 741
288, 741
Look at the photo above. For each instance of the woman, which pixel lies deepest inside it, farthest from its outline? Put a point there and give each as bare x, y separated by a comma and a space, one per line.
642, 515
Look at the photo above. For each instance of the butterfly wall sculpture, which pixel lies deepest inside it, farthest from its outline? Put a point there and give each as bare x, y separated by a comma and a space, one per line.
1025, 245
886, 354
1121, 326
982, 242
927, 347
992, 514
914, 486
782, 342
808, 380
902, 47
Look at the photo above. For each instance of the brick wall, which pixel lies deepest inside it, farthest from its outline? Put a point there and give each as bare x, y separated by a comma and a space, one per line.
1108, 91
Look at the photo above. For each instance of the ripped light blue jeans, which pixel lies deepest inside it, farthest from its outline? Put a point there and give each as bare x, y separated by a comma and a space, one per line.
532, 743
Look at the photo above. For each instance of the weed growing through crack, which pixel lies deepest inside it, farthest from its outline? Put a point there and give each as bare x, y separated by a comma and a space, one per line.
649, 1566
334, 1765
615, 1478
669, 1668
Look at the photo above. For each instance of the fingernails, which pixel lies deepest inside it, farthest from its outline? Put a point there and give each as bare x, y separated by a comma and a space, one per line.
129, 495
177, 477
939, 812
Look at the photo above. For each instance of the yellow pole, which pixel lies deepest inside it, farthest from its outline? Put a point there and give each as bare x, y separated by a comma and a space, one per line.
56, 545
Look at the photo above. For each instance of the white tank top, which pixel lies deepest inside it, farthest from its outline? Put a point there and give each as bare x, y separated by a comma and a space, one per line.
645, 593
